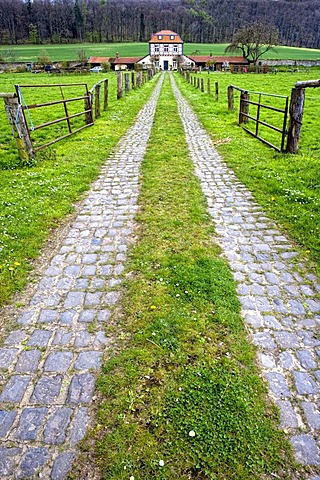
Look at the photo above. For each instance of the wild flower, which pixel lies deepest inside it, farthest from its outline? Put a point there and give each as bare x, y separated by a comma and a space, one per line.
192, 433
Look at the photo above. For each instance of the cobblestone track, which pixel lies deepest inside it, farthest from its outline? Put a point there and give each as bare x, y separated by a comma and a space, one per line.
279, 303
48, 365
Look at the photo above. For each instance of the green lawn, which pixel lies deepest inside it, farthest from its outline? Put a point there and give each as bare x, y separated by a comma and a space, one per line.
30, 53
35, 200
286, 185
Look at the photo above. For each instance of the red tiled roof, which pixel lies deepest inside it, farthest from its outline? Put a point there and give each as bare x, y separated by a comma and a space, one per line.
166, 34
98, 59
207, 58
124, 60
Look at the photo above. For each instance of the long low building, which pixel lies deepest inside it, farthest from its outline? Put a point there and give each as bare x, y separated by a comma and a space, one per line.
166, 52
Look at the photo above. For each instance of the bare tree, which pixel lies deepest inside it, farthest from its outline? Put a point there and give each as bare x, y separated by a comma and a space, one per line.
254, 40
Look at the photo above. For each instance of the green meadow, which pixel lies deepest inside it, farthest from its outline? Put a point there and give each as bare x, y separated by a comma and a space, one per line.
69, 52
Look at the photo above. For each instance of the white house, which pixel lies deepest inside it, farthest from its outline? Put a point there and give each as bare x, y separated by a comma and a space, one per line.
165, 51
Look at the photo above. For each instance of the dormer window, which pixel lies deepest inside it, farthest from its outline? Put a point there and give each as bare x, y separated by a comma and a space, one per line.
160, 37
172, 37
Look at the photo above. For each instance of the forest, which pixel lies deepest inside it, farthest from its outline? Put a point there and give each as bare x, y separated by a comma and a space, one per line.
199, 21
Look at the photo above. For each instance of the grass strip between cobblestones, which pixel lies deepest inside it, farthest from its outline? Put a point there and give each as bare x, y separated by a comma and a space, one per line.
35, 200
180, 396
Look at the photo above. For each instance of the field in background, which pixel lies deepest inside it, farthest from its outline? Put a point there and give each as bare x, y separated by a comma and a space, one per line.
30, 53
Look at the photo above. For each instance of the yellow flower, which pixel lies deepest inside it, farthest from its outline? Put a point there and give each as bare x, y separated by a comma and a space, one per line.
11, 268
153, 307
16, 264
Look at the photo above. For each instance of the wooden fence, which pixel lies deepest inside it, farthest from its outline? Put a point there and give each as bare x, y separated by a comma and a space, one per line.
292, 110
18, 111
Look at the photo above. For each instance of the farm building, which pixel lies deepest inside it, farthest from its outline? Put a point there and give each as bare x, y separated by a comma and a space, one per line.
166, 53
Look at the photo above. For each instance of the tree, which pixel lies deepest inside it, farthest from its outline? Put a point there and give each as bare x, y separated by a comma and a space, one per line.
254, 40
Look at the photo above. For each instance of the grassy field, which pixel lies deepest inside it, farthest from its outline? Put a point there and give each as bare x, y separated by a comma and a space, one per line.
30, 53
286, 185
34, 200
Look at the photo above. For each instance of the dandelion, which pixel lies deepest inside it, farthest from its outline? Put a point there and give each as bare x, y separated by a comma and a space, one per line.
16, 264
161, 463
153, 307
192, 433
11, 269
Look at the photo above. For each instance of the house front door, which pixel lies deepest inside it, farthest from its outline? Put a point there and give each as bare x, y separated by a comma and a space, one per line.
165, 64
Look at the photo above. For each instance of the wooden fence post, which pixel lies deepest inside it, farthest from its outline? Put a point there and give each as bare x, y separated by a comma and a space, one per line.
119, 85
296, 114
230, 98
88, 109
202, 85
133, 80
244, 107
209, 86
198, 82
127, 82
106, 94
19, 127
217, 91
97, 101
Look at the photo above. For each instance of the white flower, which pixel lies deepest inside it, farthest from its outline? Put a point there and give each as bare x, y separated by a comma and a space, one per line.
161, 463
192, 433
131, 478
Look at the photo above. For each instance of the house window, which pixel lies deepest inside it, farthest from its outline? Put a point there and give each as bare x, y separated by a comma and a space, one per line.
166, 48
174, 64
156, 64
160, 37
175, 48
156, 49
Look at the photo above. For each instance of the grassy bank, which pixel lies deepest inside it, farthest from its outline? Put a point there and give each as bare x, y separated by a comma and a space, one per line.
35, 200
180, 396
287, 186
30, 53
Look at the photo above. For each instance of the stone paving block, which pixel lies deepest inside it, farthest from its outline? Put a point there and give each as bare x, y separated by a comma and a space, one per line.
81, 388
7, 357
286, 360
6, 420
271, 322
306, 449
308, 339
78, 426
62, 338
87, 316
313, 305
287, 339
39, 338
278, 384
8, 459
267, 360
81, 284
83, 339
93, 299
100, 339
65, 283
296, 307
47, 390
264, 340
28, 361
62, 465
88, 360
74, 299
32, 461
48, 316
68, 317
27, 317
89, 270
55, 429
15, 388
312, 414
16, 337
279, 306
30, 421
288, 417
305, 383
306, 359
58, 362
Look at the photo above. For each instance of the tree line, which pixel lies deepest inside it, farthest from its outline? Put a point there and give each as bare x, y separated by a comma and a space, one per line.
198, 21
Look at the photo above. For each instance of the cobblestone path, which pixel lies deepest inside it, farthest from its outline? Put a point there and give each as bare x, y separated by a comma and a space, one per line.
48, 364
279, 303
